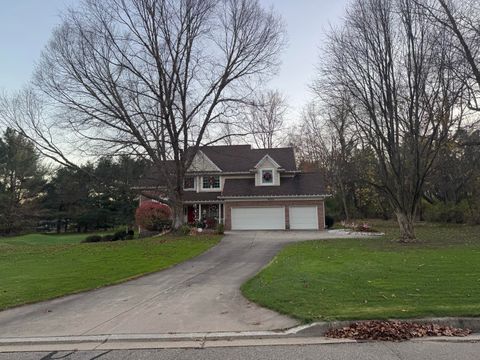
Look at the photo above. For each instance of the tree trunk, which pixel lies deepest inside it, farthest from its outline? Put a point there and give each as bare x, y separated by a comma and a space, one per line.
406, 224
177, 212
344, 201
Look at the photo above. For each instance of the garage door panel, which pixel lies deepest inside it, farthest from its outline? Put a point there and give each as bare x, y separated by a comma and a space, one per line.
258, 218
303, 217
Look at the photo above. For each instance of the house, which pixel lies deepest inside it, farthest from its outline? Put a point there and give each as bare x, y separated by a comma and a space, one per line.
252, 189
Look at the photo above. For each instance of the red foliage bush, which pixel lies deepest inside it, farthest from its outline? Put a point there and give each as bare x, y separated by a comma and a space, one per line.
153, 216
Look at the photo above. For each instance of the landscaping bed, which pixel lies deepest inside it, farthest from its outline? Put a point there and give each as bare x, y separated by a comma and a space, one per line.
38, 267
375, 278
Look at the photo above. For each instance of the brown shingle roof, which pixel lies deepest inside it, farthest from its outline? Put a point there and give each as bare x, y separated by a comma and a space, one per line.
242, 158
229, 158
300, 185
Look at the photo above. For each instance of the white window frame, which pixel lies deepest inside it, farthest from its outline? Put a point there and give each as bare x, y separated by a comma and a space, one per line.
273, 177
219, 188
194, 184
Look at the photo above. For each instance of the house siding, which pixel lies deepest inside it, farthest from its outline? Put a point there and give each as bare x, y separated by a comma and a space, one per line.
275, 203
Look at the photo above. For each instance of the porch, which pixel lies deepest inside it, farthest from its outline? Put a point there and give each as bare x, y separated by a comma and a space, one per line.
208, 214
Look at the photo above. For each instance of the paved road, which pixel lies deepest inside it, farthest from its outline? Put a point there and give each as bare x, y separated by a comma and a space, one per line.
196, 296
361, 351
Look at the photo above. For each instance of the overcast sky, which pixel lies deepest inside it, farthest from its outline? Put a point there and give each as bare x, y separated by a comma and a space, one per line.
26, 25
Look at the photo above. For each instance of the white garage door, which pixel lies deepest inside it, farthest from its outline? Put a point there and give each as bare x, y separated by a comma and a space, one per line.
303, 217
258, 218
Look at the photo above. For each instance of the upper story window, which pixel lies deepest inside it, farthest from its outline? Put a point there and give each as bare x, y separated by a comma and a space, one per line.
189, 183
211, 182
267, 177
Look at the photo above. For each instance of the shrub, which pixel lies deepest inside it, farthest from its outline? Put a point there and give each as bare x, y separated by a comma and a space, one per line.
329, 221
164, 225
153, 216
200, 225
184, 230
130, 235
107, 238
92, 239
447, 213
120, 235
220, 229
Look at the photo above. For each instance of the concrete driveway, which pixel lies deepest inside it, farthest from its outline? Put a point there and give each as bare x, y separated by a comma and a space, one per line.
199, 295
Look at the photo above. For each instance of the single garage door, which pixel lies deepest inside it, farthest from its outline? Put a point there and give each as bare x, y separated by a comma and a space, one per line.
258, 218
303, 217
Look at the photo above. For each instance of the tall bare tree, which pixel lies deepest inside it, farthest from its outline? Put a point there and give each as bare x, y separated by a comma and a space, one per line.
398, 71
152, 77
325, 140
344, 139
265, 117
308, 137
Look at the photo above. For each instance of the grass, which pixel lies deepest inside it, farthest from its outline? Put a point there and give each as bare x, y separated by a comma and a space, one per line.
375, 278
38, 267
45, 239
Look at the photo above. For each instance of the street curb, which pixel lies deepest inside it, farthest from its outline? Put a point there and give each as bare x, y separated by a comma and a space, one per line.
164, 341
309, 334
191, 336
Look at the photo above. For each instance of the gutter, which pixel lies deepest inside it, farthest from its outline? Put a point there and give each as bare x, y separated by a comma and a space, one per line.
319, 196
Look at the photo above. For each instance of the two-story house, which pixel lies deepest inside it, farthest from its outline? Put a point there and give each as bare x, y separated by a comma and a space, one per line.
252, 189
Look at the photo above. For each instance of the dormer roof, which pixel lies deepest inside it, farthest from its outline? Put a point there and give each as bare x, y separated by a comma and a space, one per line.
265, 159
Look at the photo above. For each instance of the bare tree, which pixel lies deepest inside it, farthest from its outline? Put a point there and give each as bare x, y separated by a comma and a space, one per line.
153, 77
397, 71
462, 19
265, 117
26, 112
326, 139
308, 137
344, 140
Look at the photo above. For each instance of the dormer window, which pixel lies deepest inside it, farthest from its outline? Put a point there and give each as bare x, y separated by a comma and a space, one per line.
189, 183
267, 177
211, 182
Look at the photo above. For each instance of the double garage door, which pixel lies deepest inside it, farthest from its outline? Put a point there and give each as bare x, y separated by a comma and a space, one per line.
273, 218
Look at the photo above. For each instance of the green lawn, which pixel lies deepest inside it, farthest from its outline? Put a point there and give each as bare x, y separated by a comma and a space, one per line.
46, 239
38, 267
375, 278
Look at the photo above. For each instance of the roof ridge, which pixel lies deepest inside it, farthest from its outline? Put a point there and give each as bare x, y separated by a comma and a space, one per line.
214, 146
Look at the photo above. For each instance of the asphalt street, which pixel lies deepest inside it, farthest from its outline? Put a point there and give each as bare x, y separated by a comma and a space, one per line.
353, 351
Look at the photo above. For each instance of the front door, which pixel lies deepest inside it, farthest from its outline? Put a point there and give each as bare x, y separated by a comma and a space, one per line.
190, 214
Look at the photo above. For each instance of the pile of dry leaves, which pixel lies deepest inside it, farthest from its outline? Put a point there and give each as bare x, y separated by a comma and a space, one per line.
393, 331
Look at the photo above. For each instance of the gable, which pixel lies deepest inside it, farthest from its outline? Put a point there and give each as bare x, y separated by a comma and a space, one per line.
201, 163
267, 163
